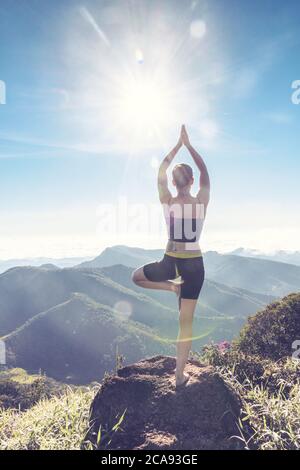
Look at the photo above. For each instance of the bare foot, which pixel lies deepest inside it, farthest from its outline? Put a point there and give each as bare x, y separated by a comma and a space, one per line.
182, 380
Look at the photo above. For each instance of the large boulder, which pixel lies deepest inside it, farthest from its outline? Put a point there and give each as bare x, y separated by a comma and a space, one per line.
201, 414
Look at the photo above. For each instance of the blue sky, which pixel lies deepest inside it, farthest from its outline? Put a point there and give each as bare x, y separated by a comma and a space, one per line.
96, 92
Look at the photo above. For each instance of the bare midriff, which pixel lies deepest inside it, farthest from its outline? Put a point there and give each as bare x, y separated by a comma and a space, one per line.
183, 249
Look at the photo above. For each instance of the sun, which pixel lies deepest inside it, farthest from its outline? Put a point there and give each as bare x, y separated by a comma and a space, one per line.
143, 108
142, 103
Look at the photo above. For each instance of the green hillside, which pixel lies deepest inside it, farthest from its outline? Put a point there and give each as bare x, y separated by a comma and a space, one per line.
27, 291
215, 300
77, 341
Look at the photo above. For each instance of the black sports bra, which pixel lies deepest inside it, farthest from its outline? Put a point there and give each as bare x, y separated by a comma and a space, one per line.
182, 227
183, 230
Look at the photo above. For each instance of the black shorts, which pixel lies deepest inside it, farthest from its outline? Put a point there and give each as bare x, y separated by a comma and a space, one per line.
191, 271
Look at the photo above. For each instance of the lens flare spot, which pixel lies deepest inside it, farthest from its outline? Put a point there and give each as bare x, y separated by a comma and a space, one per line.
139, 56
124, 308
198, 29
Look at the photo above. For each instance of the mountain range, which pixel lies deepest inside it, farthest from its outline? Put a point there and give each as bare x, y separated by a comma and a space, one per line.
73, 322
256, 275
60, 262
77, 341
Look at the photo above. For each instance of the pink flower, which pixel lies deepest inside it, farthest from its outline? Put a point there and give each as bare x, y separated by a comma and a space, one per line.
224, 346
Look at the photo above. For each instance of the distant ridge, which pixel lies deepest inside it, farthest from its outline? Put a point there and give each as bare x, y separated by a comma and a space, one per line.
60, 262
121, 254
256, 275
282, 256
27, 291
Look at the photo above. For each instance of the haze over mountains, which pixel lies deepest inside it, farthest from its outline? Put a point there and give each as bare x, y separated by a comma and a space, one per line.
27, 291
216, 299
60, 262
291, 257
77, 341
72, 322
257, 275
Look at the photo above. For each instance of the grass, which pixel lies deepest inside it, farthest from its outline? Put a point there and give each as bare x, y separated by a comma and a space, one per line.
271, 399
19, 376
58, 423
274, 418
270, 418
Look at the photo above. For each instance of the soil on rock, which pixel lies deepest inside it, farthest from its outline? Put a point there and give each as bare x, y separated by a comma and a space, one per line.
201, 414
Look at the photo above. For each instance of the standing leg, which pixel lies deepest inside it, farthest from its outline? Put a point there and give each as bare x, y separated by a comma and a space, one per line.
184, 340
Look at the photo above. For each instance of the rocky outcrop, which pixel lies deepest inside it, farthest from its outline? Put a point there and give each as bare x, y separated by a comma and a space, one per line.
201, 414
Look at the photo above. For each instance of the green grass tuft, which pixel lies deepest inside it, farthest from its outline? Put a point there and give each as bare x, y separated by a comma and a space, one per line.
58, 423
270, 393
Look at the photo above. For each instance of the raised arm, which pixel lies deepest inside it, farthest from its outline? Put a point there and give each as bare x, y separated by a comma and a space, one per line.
162, 181
204, 183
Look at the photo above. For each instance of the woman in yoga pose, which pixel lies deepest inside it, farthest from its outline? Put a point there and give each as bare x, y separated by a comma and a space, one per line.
184, 216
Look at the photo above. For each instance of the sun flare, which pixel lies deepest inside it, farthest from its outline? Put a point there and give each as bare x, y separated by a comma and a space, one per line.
143, 108
139, 93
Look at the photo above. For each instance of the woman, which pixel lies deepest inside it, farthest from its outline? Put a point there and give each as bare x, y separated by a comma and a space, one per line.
184, 215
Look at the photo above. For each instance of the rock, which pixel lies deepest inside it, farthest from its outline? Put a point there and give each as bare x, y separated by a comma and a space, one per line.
200, 415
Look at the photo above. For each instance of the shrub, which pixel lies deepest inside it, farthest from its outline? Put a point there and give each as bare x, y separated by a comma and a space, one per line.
271, 332
253, 369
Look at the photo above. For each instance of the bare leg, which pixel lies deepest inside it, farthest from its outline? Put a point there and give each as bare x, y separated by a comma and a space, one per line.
139, 278
184, 340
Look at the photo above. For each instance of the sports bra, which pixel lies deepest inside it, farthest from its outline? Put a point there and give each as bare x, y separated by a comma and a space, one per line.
184, 230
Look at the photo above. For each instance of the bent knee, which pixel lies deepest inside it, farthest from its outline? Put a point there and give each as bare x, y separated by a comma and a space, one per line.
136, 276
